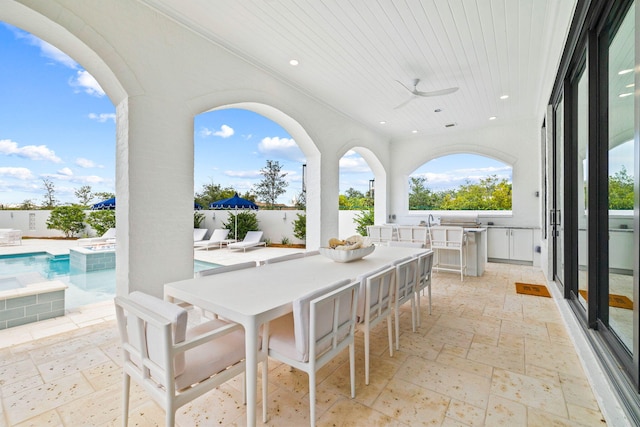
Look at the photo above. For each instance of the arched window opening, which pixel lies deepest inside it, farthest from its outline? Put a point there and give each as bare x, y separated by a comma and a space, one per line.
233, 150
357, 183
461, 182
57, 127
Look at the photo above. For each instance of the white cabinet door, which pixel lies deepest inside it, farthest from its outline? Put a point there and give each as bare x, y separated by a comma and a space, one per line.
521, 247
498, 243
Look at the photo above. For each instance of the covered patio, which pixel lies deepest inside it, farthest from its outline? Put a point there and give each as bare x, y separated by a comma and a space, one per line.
485, 356
332, 74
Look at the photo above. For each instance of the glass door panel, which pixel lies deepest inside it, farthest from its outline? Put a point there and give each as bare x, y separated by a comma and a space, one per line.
582, 136
621, 173
557, 216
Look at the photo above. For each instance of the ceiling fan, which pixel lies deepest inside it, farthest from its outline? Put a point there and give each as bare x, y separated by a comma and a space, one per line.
415, 92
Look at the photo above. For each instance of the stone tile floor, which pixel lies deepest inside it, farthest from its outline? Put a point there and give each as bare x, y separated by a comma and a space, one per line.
486, 356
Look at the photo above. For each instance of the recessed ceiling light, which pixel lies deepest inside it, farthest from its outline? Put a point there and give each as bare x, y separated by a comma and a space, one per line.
627, 71
414, 131
623, 95
294, 62
383, 122
631, 85
437, 110
504, 97
492, 118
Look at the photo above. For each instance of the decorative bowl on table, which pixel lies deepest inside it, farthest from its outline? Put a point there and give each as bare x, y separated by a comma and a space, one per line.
339, 255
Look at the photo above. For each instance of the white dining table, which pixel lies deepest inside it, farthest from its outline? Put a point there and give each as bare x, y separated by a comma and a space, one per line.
254, 296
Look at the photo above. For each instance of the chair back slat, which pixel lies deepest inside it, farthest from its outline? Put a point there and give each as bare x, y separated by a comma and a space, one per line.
379, 294
425, 265
406, 277
302, 318
333, 320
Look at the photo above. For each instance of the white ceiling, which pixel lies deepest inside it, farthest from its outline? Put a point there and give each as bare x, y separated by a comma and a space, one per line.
351, 52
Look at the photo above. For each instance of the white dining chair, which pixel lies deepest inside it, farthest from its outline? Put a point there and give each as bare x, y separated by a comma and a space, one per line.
449, 239
375, 303
406, 283
172, 363
321, 325
425, 265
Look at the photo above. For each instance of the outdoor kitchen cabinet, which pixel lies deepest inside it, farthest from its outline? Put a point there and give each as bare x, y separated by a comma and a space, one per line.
511, 244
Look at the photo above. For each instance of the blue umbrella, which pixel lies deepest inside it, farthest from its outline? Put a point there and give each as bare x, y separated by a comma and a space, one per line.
109, 204
236, 202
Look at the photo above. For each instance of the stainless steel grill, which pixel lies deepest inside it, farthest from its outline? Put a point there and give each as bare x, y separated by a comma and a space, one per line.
460, 220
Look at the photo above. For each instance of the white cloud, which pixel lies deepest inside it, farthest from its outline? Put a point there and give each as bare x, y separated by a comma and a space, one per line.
33, 152
354, 165
224, 132
66, 172
284, 148
46, 50
86, 163
243, 174
52, 52
102, 117
19, 173
86, 83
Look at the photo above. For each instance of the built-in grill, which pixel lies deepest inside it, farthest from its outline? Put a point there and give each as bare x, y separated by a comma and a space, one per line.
460, 220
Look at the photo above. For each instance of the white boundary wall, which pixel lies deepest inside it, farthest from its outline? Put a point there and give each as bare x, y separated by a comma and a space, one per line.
274, 224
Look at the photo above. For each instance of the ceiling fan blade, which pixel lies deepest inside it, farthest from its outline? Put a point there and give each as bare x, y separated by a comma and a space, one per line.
404, 86
437, 92
404, 103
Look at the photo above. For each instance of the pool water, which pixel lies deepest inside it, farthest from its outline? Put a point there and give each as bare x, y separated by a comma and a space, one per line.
84, 287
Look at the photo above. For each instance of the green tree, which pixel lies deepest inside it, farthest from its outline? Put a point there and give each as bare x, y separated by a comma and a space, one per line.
420, 197
247, 221
103, 195
102, 220
27, 205
300, 227
621, 190
362, 219
84, 195
353, 199
212, 193
489, 193
68, 219
272, 184
49, 196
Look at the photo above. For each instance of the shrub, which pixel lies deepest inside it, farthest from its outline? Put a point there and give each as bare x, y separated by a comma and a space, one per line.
198, 217
363, 219
68, 219
101, 221
285, 240
300, 227
247, 221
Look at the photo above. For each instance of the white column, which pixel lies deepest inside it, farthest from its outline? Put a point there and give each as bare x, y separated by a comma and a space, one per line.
322, 200
154, 191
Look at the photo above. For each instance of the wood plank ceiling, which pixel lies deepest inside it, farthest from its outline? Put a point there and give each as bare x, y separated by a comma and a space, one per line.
351, 54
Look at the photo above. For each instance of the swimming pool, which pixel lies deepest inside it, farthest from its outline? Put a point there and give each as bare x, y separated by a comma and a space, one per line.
84, 287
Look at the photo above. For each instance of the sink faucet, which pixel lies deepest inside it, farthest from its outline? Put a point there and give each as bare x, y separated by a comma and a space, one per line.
430, 219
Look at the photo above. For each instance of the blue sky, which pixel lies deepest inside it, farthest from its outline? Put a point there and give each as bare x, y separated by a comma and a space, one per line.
56, 123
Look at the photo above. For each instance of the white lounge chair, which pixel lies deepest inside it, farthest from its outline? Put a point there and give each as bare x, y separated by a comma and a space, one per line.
198, 234
250, 240
217, 238
109, 235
